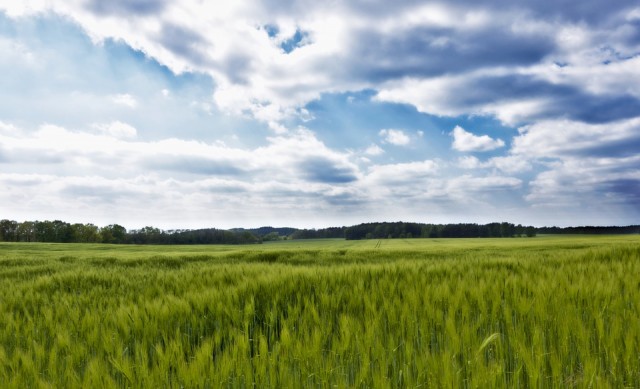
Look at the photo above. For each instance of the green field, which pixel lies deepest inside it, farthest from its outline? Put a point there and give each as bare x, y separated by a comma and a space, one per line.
441, 313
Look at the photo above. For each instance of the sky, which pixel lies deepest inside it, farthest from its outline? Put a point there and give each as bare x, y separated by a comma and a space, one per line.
194, 114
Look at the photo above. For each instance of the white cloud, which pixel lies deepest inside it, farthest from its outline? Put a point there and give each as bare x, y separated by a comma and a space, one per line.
277, 127
590, 167
470, 184
125, 99
566, 138
589, 183
509, 164
449, 95
550, 67
7, 128
374, 150
117, 129
355, 46
466, 141
395, 137
470, 162
402, 172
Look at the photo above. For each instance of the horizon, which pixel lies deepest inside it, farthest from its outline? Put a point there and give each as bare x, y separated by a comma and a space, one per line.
138, 228
187, 115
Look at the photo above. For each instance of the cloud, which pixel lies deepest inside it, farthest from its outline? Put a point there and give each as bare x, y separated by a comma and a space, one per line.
108, 177
466, 141
566, 138
117, 129
374, 150
509, 164
603, 185
295, 158
268, 60
7, 128
588, 166
325, 171
471, 184
395, 137
125, 99
401, 172
126, 7
174, 100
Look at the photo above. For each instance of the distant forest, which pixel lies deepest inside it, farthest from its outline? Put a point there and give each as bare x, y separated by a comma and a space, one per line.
62, 232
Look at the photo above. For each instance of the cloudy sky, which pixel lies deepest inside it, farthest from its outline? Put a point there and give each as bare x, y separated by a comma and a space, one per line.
186, 114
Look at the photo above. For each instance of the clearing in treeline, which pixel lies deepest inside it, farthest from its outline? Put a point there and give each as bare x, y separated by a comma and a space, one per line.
544, 312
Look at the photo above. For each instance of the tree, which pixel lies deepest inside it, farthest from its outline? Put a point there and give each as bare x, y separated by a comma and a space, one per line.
530, 231
272, 236
26, 232
8, 230
113, 233
85, 233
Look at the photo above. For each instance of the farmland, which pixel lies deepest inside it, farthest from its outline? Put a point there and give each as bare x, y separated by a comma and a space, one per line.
515, 312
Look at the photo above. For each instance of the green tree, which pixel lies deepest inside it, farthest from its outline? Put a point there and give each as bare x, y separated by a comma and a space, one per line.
86, 233
8, 230
113, 233
26, 232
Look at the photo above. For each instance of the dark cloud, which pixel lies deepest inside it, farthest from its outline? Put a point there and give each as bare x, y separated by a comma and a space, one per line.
126, 7
619, 148
183, 42
237, 68
627, 189
587, 11
564, 101
345, 200
428, 52
326, 171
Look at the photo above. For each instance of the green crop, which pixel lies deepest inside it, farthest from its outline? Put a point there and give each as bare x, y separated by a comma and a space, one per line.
526, 313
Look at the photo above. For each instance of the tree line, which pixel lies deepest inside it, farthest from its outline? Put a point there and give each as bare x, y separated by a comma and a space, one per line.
421, 230
58, 231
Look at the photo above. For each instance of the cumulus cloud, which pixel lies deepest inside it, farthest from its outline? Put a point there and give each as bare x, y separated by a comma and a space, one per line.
562, 138
588, 166
111, 171
395, 137
466, 141
596, 184
374, 150
566, 76
264, 56
295, 158
509, 164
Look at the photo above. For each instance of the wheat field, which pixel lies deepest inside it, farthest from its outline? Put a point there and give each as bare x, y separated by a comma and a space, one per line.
538, 312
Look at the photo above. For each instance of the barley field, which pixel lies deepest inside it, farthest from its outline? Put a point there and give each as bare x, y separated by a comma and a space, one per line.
544, 312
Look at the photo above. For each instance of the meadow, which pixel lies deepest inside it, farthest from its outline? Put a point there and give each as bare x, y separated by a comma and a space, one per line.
544, 312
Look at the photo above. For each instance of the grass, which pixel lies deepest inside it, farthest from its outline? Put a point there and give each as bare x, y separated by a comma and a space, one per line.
544, 312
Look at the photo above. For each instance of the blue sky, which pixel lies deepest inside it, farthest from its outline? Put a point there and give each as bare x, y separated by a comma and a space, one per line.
311, 114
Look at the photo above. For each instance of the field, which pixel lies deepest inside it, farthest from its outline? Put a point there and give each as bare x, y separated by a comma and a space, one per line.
514, 312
